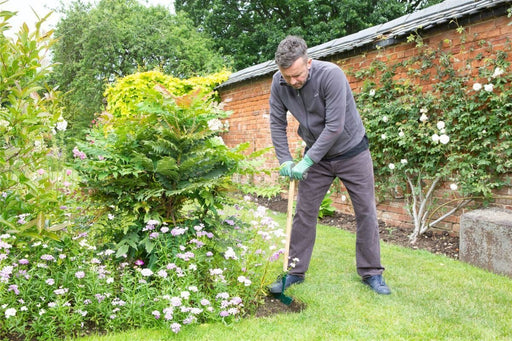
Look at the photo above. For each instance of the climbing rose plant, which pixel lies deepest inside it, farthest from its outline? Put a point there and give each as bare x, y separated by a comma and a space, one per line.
456, 131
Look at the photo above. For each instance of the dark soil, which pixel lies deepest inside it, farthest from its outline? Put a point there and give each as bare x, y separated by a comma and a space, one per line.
442, 243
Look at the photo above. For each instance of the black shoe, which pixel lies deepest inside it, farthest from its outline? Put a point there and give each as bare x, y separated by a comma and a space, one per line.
277, 286
377, 284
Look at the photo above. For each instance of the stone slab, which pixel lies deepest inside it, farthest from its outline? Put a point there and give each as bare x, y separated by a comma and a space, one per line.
486, 239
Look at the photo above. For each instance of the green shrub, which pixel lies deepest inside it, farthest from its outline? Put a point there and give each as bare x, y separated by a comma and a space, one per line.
157, 147
32, 195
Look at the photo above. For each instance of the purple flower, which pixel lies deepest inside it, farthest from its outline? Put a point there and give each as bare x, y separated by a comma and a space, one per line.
78, 154
139, 262
23, 261
48, 258
14, 288
224, 313
229, 222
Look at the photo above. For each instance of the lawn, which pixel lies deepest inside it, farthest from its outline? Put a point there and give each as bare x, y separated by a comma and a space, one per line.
434, 298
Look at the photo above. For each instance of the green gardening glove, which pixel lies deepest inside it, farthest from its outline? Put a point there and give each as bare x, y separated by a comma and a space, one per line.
286, 168
300, 169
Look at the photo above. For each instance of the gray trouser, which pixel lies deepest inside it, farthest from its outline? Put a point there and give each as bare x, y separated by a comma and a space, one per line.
356, 173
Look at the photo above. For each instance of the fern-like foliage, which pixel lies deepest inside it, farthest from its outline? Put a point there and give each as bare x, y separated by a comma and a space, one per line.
154, 157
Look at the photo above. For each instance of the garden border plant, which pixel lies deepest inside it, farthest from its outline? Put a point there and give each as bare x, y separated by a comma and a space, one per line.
431, 121
157, 246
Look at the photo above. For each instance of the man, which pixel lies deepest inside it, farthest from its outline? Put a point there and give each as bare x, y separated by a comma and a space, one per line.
318, 95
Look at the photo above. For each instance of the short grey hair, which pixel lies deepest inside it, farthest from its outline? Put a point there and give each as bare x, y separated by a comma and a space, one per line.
289, 50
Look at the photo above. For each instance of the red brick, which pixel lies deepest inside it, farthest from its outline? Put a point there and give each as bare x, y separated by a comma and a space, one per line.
249, 103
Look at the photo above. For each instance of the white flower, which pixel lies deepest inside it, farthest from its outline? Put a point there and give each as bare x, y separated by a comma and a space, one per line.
440, 125
489, 87
246, 281
10, 312
435, 138
215, 124
477, 86
61, 124
162, 273
403, 161
384, 118
383, 136
343, 198
146, 272
444, 139
453, 187
497, 72
230, 253
391, 166
423, 110
401, 133
372, 92
423, 118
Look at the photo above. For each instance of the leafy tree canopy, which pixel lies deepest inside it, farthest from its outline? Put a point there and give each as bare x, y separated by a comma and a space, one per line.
98, 44
249, 31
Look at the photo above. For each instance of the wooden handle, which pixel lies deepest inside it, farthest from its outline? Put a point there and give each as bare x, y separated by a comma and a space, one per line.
289, 220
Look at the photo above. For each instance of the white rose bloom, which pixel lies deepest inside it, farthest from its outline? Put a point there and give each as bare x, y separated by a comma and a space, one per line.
477, 86
440, 125
372, 92
453, 187
435, 138
403, 161
497, 72
489, 87
383, 136
401, 133
444, 139
391, 166
423, 118
384, 118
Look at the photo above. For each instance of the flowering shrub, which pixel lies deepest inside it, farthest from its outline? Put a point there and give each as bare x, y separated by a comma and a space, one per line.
430, 122
53, 289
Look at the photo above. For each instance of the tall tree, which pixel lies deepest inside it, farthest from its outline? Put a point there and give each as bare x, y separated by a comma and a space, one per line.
98, 44
250, 30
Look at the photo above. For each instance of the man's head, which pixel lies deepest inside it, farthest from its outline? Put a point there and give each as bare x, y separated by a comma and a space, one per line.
292, 60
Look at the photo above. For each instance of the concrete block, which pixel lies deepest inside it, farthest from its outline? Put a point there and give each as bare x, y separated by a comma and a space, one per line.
486, 239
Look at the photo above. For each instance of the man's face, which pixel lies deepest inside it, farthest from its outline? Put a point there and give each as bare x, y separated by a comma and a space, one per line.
297, 74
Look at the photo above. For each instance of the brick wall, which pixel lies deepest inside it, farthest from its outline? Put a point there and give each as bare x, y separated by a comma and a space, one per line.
249, 102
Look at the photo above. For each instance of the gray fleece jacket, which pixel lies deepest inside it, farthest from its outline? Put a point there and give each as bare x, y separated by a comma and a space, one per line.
329, 122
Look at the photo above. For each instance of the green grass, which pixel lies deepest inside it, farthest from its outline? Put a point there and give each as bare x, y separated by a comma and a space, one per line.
433, 298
